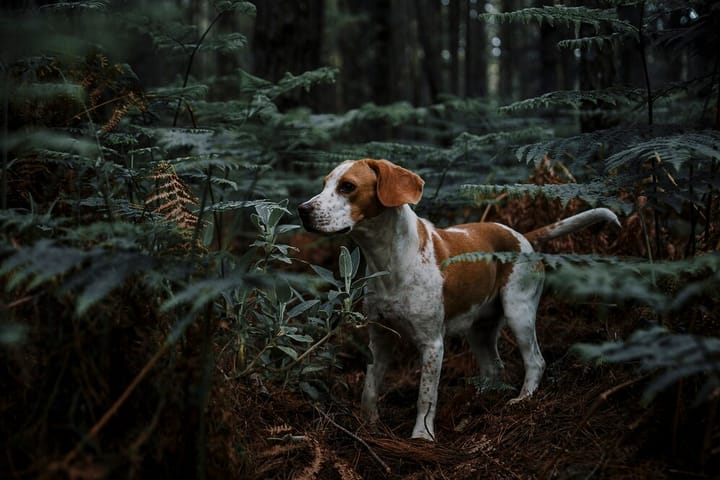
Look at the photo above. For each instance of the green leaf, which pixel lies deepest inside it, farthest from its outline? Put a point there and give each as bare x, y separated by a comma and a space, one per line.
325, 274
289, 351
302, 308
346, 263
300, 338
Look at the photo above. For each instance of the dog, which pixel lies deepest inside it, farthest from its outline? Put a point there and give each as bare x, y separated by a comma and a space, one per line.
370, 200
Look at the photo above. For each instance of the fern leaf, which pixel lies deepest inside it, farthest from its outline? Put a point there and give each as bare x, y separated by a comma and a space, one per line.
674, 149
225, 43
467, 141
238, 6
595, 193
588, 147
304, 80
190, 92
41, 262
80, 4
614, 278
106, 272
172, 197
672, 357
559, 15
576, 99
595, 41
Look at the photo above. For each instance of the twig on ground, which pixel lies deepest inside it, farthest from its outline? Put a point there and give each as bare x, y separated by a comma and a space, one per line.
603, 398
356, 438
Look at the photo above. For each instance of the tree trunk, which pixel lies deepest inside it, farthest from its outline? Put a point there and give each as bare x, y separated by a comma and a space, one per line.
287, 39
597, 71
429, 16
508, 58
549, 56
381, 40
454, 34
475, 54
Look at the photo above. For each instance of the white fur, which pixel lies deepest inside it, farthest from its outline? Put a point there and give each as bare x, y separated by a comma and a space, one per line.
333, 212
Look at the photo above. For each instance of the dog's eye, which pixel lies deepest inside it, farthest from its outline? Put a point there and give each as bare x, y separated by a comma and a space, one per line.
346, 187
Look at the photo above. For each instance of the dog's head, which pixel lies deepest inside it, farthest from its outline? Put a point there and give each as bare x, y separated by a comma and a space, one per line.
358, 190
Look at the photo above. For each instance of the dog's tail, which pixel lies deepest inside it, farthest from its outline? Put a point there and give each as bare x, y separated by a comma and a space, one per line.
572, 224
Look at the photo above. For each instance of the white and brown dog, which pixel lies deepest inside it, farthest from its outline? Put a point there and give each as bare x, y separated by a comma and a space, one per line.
369, 199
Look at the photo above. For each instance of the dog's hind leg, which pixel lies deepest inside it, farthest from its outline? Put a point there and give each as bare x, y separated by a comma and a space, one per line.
482, 338
520, 298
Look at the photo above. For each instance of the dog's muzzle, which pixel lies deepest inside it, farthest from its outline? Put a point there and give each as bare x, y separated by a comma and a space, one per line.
307, 217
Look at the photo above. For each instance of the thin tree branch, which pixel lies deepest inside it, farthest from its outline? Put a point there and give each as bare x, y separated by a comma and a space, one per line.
356, 438
192, 59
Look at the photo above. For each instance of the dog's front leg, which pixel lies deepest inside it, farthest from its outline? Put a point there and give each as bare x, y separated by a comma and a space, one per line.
381, 347
432, 357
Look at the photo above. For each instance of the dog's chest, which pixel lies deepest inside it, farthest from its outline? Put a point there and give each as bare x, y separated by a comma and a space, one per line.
409, 299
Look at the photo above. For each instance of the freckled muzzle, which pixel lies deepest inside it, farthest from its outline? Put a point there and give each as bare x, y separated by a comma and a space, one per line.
315, 222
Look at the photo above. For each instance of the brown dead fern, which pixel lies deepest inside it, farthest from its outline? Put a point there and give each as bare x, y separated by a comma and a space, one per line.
172, 198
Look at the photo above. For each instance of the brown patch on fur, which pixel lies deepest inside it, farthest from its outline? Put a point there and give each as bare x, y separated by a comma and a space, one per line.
467, 284
364, 201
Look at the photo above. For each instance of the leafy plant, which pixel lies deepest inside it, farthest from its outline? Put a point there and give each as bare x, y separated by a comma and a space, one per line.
670, 357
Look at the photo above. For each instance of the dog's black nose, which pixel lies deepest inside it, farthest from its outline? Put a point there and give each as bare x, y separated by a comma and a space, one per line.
304, 208
305, 211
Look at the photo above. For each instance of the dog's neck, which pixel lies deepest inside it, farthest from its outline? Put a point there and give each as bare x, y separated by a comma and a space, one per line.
389, 243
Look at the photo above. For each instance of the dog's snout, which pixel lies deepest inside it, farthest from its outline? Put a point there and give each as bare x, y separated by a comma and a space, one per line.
305, 211
305, 208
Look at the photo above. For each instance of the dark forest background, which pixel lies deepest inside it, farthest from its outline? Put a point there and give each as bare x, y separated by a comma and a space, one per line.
163, 315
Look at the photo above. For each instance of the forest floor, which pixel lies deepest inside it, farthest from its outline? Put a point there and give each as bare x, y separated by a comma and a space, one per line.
586, 421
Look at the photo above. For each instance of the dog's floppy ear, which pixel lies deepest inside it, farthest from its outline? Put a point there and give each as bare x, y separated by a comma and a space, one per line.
395, 185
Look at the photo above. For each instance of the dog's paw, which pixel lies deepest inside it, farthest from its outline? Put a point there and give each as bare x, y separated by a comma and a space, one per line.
423, 434
520, 398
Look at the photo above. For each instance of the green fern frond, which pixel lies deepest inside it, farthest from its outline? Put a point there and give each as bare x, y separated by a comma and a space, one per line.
225, 43
107, 271
30, 92
576, 99
559, 15
595, 41
468, 141
468, 107
200, 163
52, 141
80, 4
597, 145
672, 357
614, 278
237, 6
674, 149
595, 193
91, 273
40, 263
552, 260
190, 92
14, 221
305, 81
